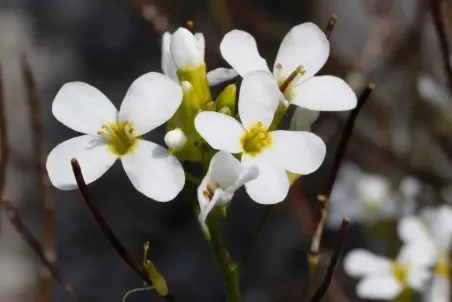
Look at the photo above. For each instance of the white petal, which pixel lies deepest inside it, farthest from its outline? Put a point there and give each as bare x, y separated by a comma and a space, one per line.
151, 100
361, 262
383, 287
417, 254
239, 49
90, 151
248, 173
418, 277
324, 93
298, 152
412, 230
303, 119
206, 208
224, 170
83, 108
438, 291
201, 43
185, 50
154, 171
272, 184
220, 131
410, 187
258, 99
220, 75
306, 45
168, 67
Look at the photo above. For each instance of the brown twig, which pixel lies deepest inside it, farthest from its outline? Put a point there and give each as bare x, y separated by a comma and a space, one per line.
330, 26
138, 268
3, 139
16, 221
435, 7
45, 203
321, 291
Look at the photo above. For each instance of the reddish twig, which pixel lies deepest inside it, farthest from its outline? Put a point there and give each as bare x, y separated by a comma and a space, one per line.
435, 7
330, 26
45, 203
333, 262
136, 266
3, 139
27, 235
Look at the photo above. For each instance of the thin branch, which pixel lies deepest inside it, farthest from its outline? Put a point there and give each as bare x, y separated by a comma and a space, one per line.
16, 221
435, 6
330, 26
249, 250
45, 203
3, 139
136, 266
333, 262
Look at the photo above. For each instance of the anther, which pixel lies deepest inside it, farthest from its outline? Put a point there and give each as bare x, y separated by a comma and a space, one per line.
279, 67
190, 25
205, 193
100, 133
130, 130
217, 184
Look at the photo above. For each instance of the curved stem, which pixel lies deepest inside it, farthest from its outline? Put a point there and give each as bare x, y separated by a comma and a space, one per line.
230, 269
192, 178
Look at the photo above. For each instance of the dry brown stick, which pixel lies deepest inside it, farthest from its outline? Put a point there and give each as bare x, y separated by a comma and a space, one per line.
45, 202
3, 139
136, 266
330, 26
16, 221
435, 7
321, 291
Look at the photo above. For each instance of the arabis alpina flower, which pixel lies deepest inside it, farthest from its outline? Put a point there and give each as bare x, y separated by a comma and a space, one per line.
385, 279
273, 152
303, 52
185, 50
110, 135
225, 175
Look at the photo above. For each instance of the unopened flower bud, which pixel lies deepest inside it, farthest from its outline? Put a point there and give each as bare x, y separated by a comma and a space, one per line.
185, 50
227, 98
175, 139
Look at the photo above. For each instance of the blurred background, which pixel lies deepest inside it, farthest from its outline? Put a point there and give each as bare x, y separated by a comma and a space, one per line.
402, 137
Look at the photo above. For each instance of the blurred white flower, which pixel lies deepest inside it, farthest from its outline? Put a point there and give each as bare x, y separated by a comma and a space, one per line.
385, 279
360, 196
273, 152
302, 53
151, 100
225, 176
185, 50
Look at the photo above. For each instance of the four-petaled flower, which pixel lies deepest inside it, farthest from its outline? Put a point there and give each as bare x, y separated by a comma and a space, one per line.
225, 175
185, 50
274, 152
302, 53
151, 100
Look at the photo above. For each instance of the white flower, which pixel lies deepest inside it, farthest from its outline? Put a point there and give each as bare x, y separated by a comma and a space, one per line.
302, 53
225, 175
362, 197
175, 139
183, 49
151, 100
410, 187
273, 152
384, 279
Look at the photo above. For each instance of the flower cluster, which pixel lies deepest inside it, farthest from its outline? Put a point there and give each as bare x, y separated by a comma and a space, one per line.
237, 142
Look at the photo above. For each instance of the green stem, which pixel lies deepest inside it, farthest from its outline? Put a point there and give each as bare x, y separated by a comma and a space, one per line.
230, 269
191, 178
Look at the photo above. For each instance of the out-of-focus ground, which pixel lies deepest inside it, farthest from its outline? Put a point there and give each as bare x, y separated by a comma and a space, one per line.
404, 130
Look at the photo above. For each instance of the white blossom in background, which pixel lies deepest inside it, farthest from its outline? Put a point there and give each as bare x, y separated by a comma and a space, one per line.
151, 100
436, 223
363, 197
274, 152
184, 50
303, 51
385, 279
225, 176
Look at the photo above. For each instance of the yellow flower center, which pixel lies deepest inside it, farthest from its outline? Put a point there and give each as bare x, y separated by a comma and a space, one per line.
400, 272
255, 139
286, 84
119, 136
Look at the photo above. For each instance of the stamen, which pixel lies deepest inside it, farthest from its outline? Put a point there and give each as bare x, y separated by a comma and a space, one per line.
278, 67
299, 71
217, 184
131, 130
190, 25
100, 133
205, 193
